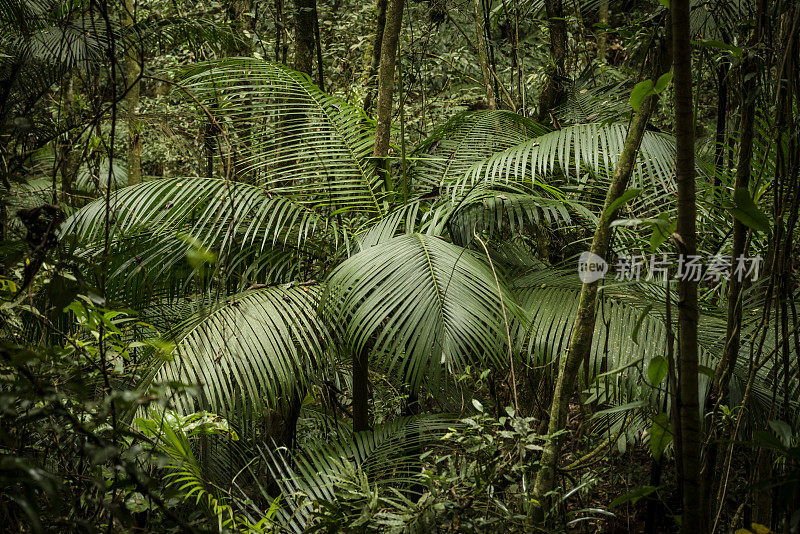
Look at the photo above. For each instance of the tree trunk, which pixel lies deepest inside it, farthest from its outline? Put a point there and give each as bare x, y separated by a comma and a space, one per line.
133, 73
722, 118
552, 90
304, 35
583, 330
360, 390
370, 74
391, 36
70, 157
281, 41
318, 47
720, 385
602, 38
688, 313
480, 42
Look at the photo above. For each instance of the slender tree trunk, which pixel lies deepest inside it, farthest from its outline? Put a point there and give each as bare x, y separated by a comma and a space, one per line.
688, 313
480, 42
583, 330
133, 72
318, 47
360, 390
391, 36
552, 90
281, 41
371, 72
602, 37
70, 157
304, 35
722, 119
720, 385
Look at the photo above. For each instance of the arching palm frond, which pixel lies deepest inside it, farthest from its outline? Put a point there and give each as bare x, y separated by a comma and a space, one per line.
160, 221
581, 152
294, 138
250, 352
466, 139
211, 210
427, 303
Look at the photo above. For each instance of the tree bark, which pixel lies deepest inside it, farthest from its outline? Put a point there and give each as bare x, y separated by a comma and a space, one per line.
391, 36
602, 38
722, 118
583, 330
720, 385
688, 313
133, 74
552, 90
304, 35
480, 42
370, 74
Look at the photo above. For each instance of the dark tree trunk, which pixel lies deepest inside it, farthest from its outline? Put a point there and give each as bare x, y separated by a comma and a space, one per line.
318, 47
688, 314
281, 41
480, 42
552, 90
304, 15
133, 73
360, 390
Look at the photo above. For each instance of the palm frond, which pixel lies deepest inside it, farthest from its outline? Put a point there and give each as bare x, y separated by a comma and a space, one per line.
427, 303
295, 139
578, 153
248, 353
466, 139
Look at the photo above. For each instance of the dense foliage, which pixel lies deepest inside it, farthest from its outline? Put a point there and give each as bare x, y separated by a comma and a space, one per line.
314, 266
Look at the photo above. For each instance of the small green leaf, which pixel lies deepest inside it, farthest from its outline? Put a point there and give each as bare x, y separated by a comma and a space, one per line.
748, 213
622, 199
641, 91
705, 370
633, 496
660, 435
664, 3
662, 82
657, 370
478, 405
783, 430
661, 232
719, 45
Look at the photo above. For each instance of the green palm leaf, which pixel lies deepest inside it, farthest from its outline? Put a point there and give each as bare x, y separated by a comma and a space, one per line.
466, 139
290, 135
427, 304
251, 351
